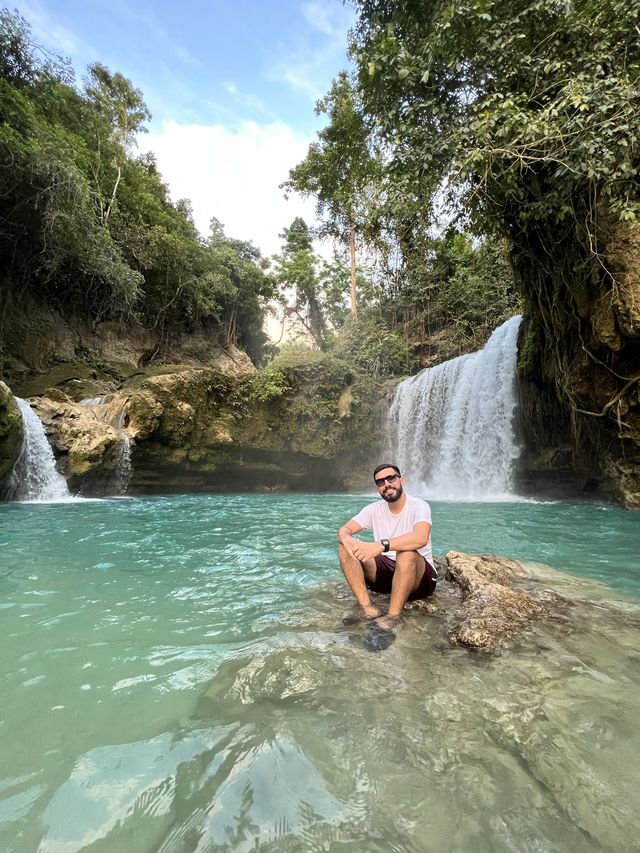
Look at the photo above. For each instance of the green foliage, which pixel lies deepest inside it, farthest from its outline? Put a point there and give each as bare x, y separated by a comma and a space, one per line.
90, 228
294, 356
373, 167
117, 114
339, 168
528, 353
530, 111
266, 386
295, 270
20, 64
343, 172
50, 237
373, 346
525, 117
458, 284
334, 281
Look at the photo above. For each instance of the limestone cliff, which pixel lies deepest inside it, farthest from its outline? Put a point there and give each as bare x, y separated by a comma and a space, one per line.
40, 348
580, 359
10, 435
305, 426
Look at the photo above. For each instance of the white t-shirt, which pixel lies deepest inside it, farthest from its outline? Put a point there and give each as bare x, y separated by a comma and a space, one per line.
387, 525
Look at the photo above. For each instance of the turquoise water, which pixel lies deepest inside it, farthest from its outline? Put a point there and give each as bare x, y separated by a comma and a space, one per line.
175, 676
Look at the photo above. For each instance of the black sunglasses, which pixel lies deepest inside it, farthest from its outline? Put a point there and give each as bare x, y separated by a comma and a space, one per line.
390, 478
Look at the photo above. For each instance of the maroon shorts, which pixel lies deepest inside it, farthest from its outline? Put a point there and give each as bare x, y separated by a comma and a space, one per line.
385, 568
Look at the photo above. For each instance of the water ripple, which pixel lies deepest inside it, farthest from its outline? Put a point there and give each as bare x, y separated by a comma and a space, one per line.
176, 677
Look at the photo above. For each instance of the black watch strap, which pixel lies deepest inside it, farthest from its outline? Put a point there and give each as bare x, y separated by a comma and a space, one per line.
385, 545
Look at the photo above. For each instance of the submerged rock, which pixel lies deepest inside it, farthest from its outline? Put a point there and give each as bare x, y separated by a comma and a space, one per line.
538, 742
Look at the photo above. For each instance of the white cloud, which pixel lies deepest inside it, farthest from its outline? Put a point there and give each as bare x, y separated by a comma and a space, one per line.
307, 63
318, 14
234, 175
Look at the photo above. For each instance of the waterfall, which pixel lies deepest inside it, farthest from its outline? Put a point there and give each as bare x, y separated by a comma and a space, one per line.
94, 401
100, 409
123, 469
34, 476
450, 427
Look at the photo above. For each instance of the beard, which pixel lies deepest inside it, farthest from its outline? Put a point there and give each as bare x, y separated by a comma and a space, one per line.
392, 494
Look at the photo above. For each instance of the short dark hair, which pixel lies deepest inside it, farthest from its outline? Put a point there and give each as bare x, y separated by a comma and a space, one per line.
386, 465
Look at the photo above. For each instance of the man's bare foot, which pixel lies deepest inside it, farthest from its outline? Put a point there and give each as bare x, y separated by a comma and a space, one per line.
366, 614
389, 623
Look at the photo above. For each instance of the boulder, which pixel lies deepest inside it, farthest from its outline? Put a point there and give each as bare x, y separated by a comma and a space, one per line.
480, 601
493, 610
88, 451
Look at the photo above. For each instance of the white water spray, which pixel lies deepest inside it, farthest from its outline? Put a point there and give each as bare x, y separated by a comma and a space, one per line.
34, 476
451, 426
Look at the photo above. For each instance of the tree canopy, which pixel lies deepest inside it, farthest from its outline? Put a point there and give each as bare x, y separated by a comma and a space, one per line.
341, 171
515, 103
87, 225
523, 117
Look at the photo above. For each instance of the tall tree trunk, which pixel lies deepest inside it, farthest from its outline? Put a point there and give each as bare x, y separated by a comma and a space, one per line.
107, 213
354, 309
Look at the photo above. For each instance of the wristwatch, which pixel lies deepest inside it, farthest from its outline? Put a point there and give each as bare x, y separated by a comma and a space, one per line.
385, 545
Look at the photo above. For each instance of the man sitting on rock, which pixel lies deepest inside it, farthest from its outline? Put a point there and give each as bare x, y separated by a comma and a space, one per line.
400, 561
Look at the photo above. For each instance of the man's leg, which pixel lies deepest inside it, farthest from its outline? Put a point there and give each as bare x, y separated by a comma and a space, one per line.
410, 566
355, 573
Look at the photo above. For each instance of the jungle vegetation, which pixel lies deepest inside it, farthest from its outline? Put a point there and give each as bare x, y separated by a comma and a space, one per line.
518, 123
86, 222
87, 225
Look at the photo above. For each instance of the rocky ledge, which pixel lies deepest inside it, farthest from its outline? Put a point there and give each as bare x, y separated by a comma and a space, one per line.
302, 426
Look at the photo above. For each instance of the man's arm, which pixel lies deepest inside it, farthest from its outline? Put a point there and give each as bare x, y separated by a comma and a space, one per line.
345, 534
418, 538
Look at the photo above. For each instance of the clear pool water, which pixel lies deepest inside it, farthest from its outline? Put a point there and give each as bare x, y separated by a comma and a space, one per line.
176, 677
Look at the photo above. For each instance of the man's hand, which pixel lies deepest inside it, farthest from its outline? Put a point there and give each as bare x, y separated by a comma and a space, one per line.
366, 550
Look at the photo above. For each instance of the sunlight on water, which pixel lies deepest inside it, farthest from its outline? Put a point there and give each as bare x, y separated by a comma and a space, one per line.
176, 677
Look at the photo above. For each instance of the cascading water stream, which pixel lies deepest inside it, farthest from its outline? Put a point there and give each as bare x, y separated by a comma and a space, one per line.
450, 427
100, 408
123, 470
34, 476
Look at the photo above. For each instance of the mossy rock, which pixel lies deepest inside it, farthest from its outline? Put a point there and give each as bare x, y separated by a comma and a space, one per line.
10, 433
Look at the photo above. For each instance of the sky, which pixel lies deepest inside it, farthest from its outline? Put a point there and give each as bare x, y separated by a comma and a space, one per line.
231, 85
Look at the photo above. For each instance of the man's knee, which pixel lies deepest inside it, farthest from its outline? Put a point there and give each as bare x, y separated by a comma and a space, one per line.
408, 561
345, 557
